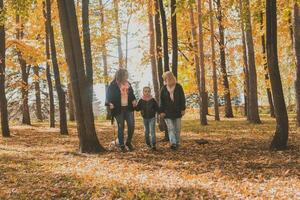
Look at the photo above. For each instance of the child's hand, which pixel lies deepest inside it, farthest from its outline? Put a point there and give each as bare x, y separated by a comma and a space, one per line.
111, 106
183, 112
162, 115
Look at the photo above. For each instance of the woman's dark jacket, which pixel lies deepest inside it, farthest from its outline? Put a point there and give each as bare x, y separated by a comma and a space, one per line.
172, 109
148, 108
113, 96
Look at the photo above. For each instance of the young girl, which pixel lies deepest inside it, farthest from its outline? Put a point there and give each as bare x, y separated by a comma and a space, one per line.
148, 107
172, 107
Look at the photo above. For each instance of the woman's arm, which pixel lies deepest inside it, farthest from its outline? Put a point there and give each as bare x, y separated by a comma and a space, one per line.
182, 99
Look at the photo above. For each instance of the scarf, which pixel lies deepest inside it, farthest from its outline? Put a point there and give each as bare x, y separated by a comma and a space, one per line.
171, 90
147, 98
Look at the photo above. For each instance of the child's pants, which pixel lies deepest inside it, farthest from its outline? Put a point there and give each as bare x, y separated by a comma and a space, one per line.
149, 125
174, 127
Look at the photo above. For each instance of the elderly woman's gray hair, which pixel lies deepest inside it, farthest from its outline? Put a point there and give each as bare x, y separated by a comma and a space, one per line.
121, 75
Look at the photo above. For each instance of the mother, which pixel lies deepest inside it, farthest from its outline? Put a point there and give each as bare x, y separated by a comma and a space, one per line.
121, 100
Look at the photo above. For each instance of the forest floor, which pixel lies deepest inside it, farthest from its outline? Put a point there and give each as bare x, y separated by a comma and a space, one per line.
38, 163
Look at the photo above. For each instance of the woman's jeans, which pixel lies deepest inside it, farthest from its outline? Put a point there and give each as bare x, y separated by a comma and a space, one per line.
127, 116
149, 125
174, 128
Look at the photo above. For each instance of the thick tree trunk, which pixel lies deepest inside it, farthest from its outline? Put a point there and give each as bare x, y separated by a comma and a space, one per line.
58, 86
104, 56
87, 45
118, 29
174, 38
297, 53
227, 97
89, 142
152, 50
165, 35
213, 62
252, 98
245, 59
158, 44
3, 102
71, 104
280, 139
203, 99
38, 103
267, 79
24, 73
48, 71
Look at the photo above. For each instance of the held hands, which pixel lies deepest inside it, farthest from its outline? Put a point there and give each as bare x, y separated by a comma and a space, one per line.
134, 103
162, 115
111, 106
183, 112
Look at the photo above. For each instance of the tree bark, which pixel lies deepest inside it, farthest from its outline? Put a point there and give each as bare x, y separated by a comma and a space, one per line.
174, 38
203, 99
152, 50
267, 79
38, 105
252, 98
87, 45
118, 29
227, 96
158, 44
3, 101
58, 86
88, 140
213, 62
297, 59
25, 73
71, 104
280, 138
165, 35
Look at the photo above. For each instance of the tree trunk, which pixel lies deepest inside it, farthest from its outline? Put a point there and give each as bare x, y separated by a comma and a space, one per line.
227, 97
152, 50
58, 86
213, 62
3, 102
38, 112
87, 45
174, 38
297, 59
280, 139
267, 79
88, 140
158, 44
71, 104
118, 29
25, 73
48, 72
165, 35
245, 59
195, 47
203, 97
252, 98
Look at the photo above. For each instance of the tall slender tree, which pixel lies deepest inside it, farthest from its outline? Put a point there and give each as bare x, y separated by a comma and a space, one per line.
71, 104
48, 71
213, 62
252, 98
267, 78
37, 88
118, 32
58, 85
25, 69
174, 38
3, 102
203, 106
88, 140
87, 45
296, 31
227, 96
165, 35
152, 50
280, 138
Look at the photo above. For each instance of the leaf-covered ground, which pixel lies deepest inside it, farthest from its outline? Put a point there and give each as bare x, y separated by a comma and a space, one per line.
38, 163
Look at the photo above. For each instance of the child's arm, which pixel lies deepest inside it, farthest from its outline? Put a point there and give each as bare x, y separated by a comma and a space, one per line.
182, 99
155, 105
